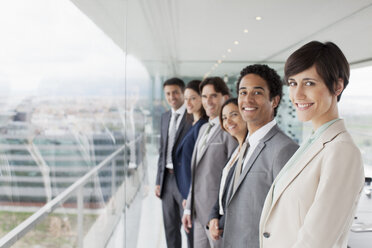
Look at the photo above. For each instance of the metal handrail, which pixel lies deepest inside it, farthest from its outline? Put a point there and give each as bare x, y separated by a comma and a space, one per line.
23, 228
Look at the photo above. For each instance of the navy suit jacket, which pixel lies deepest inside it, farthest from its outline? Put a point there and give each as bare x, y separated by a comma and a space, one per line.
184, 126
183, 158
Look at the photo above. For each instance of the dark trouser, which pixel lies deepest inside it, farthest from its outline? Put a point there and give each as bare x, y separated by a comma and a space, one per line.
173, 212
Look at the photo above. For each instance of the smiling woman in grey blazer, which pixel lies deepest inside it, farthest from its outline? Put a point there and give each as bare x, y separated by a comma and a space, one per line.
313, 200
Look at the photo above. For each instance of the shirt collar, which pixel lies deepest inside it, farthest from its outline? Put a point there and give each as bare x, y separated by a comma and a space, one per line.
180, 110
215, 121
321, 129
260, 133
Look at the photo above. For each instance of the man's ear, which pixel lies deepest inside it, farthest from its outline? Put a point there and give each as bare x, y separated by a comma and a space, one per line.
339, 87
275, 101
226, 97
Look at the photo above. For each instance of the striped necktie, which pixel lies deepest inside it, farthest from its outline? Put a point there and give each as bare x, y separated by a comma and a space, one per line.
238, 168
172, 136
205, 137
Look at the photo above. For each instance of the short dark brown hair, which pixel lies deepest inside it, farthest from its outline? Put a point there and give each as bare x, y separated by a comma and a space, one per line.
175, 81
218, 84
328, 59
273, 81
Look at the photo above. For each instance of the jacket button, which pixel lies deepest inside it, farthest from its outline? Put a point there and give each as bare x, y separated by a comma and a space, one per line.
266, 234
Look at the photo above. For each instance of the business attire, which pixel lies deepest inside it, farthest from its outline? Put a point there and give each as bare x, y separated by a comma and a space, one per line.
174, 126
183, 158
269, 150
313, 202
211, 151
219, 207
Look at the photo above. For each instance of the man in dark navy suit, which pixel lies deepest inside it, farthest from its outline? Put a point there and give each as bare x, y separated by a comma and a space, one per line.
174, 125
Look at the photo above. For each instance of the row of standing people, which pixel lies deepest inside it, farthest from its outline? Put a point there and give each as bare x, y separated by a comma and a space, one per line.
233, 179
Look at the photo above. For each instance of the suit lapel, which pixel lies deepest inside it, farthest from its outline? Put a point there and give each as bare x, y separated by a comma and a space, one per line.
167, 117
260, 146
182, 125
248, 166
311, 152
328, 135
228, 182
195, 151
211, 139
194, 162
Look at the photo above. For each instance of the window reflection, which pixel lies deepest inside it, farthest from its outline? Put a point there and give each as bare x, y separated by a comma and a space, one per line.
66, 105
357, 112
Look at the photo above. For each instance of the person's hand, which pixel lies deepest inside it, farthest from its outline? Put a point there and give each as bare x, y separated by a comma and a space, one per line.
213, 229
186, 222
157, 191
184, 204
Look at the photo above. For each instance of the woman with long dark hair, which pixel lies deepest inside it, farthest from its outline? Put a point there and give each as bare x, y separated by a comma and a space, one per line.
185, 148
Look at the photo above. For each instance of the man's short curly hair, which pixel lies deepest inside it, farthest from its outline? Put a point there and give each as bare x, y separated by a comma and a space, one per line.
271, 77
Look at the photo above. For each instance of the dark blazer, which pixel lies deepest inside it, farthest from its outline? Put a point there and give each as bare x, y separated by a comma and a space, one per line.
183, 128
183, 158
215, 212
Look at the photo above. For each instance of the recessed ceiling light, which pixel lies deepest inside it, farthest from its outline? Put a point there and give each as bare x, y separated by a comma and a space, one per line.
229, 50
245, 31
236, 42
219, 61
258, 18
224, 56
215, 65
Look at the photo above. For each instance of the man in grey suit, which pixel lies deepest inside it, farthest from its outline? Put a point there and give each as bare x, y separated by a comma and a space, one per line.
212, 149
268, 149
174, 125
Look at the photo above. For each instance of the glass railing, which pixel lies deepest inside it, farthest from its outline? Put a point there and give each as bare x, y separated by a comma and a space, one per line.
83, 215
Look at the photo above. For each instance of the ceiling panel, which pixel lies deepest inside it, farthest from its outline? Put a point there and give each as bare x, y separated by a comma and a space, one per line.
191, 36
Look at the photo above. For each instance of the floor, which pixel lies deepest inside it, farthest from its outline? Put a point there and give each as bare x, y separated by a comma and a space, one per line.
144, 221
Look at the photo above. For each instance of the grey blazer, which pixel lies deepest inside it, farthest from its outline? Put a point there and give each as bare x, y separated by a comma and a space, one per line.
244, 206
184, 126
206, 173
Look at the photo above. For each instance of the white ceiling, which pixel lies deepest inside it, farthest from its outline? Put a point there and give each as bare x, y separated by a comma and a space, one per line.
188, 37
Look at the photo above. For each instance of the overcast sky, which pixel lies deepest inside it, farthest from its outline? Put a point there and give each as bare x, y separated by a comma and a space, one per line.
357, 97
360, 82
44, 40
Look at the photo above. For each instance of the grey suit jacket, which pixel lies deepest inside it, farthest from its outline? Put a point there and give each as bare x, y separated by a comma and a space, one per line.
244, 206
207, 171
184, 126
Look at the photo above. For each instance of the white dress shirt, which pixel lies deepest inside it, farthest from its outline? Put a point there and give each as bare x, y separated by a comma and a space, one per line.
225, 172
255, 138
181, 112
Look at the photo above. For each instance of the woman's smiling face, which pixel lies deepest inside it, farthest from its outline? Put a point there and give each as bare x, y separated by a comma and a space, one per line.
193, 101
311, 98
232, 121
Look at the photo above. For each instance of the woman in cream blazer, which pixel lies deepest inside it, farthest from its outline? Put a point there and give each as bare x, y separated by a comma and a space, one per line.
312, 202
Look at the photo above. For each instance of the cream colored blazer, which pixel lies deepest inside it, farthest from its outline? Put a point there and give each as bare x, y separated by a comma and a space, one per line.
315, 205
